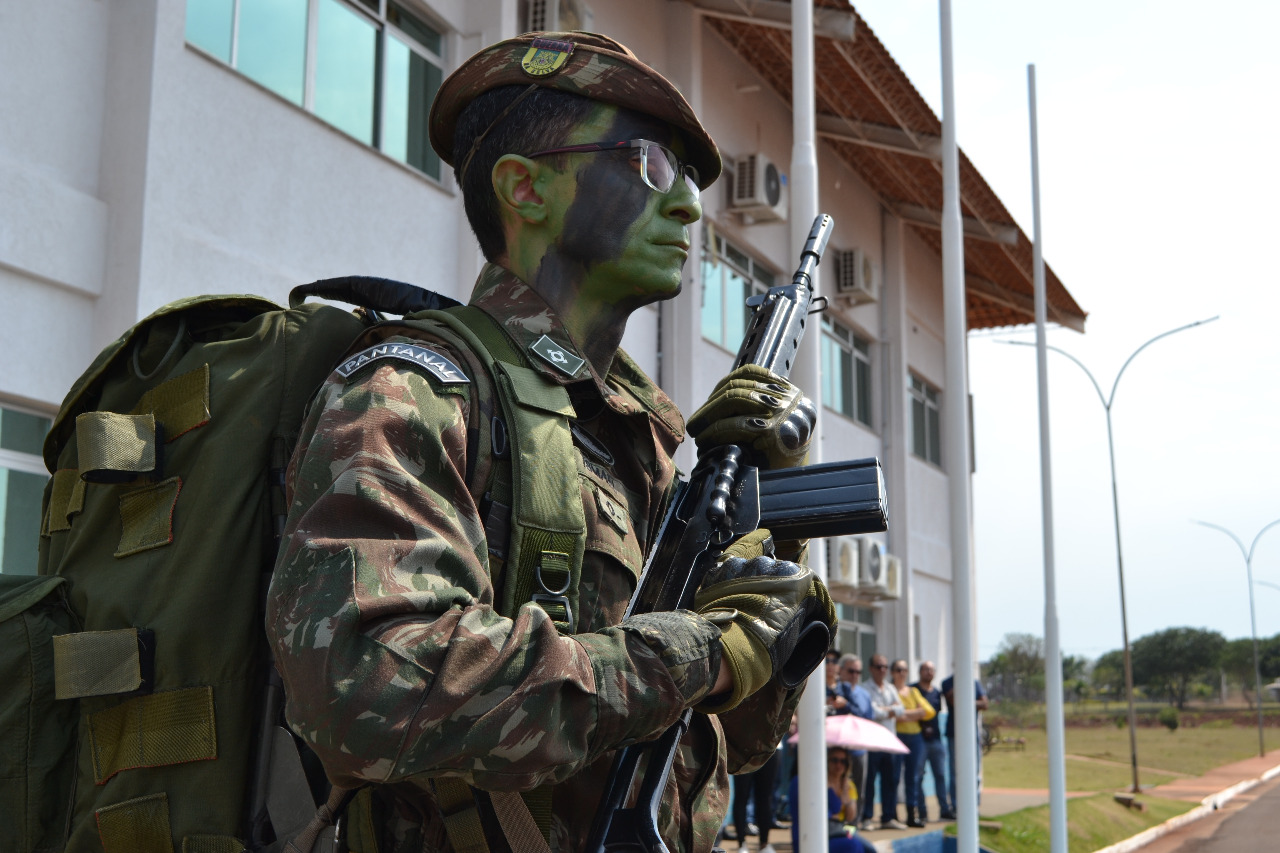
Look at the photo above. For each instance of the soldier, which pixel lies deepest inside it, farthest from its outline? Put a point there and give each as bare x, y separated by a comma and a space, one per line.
580, 169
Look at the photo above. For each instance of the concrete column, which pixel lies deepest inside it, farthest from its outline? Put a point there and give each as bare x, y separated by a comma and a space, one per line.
679, 326
129, 94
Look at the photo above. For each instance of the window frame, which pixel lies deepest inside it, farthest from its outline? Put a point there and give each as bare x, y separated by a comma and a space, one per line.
24, 463
850, 340
717, 250
929, 397
384, 29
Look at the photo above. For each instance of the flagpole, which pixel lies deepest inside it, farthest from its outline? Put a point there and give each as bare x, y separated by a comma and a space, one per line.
806, 375
1052, 650
956, 457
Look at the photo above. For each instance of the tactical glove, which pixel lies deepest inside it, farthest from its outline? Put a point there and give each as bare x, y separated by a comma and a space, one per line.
776, 618
760, 412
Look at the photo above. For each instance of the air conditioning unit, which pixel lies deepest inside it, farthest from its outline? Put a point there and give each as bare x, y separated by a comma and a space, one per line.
844, 556
892, 577
557, 16
855, 276
871, 568
759, 189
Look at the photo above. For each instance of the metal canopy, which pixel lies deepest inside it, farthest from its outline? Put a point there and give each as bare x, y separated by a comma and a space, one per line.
876, 122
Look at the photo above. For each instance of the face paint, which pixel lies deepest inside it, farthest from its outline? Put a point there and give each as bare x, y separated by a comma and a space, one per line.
620, 243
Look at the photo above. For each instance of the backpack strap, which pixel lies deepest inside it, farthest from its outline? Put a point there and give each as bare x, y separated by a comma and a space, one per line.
542, 558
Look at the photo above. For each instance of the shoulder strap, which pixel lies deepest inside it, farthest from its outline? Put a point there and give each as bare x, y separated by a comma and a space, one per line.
543, 555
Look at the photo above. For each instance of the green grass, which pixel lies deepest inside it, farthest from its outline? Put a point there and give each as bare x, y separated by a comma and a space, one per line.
1092, 823
1183, 752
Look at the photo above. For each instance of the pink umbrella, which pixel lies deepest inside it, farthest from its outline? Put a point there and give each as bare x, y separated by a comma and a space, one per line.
853, 732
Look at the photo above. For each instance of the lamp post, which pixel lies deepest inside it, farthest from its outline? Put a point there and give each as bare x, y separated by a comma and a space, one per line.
1115, 504
1253, 622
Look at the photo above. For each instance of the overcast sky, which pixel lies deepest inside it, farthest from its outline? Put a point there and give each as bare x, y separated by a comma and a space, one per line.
1159, 184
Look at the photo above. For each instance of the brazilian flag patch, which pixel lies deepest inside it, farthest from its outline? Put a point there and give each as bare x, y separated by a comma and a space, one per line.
546, 56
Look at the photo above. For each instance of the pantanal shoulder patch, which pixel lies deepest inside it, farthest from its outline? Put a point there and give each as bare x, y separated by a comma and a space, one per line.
422, 357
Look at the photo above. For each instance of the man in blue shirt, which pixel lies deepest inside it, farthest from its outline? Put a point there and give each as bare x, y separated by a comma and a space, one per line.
981, 703
935, 752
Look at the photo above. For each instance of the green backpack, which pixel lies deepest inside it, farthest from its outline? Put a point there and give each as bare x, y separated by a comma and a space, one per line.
138, 686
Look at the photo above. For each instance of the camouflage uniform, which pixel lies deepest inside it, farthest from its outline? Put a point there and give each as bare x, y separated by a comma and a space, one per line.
398, 667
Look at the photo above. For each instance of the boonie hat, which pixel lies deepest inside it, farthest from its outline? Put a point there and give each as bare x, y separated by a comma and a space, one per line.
583, 63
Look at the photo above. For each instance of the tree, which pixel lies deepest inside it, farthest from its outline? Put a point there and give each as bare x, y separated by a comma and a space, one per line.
1167, 662
1075, 667
1108, 676
1018, 665
1236, 661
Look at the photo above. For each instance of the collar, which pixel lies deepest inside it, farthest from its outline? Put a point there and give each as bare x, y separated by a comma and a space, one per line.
538, 332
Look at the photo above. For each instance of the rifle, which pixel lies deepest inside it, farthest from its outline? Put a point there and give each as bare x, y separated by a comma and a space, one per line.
723, 499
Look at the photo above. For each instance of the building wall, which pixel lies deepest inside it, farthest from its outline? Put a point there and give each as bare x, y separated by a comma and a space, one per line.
150, 171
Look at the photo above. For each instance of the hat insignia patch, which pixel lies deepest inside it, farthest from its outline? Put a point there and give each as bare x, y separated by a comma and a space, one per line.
545, 57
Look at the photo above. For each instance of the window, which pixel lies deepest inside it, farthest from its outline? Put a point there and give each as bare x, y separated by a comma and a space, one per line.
367, 67
846, 371
729, 277
22, 481
926, 437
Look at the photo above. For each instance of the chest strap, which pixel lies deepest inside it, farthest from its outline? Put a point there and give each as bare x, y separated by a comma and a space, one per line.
536, 479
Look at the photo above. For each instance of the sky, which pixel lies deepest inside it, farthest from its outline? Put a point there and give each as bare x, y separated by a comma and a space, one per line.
1158, 185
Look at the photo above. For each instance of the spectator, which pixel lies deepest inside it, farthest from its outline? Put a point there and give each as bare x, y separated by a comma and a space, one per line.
935, 751
851, 674
757, 786
886, 709
840, 699
980, 695
915, 709
841, 796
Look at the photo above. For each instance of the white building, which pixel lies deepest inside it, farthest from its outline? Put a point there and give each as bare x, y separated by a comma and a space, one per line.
154, 149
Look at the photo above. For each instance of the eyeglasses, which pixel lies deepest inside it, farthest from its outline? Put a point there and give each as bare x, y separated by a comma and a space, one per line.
899, 669
659, 166
879, 666
837, 759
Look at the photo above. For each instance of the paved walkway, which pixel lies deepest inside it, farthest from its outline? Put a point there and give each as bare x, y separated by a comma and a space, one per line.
1218, 779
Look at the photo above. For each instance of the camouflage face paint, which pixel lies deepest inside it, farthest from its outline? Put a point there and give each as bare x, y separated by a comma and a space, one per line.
620, 243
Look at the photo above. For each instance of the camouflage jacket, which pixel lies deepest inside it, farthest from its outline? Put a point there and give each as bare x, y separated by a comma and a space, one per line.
397, 666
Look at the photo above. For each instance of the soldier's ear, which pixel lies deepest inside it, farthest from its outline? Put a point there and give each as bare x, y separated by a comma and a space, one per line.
517, 186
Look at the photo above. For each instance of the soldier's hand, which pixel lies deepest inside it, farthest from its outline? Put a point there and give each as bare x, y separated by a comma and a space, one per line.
760, 412
776, 618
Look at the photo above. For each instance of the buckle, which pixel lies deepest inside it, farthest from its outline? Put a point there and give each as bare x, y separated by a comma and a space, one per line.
543, 599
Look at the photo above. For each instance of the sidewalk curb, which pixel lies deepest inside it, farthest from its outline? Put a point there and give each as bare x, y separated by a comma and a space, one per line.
1208, 806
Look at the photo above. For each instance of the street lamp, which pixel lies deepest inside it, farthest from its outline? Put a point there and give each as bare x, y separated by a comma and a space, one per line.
1253, 622
1115, 503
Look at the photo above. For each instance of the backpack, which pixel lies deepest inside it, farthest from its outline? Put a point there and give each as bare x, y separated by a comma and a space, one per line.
141, 704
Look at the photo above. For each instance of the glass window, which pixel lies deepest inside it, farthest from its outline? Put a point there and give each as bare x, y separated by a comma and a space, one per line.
926, 428
369, 68
22, 481
729, 277
411, 85
846, 371
209, 25
271, 47
346, 57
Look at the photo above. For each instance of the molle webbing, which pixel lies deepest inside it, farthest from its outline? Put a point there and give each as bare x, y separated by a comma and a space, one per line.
99, 663
136, 826
153, 731
539, 483
115, 448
